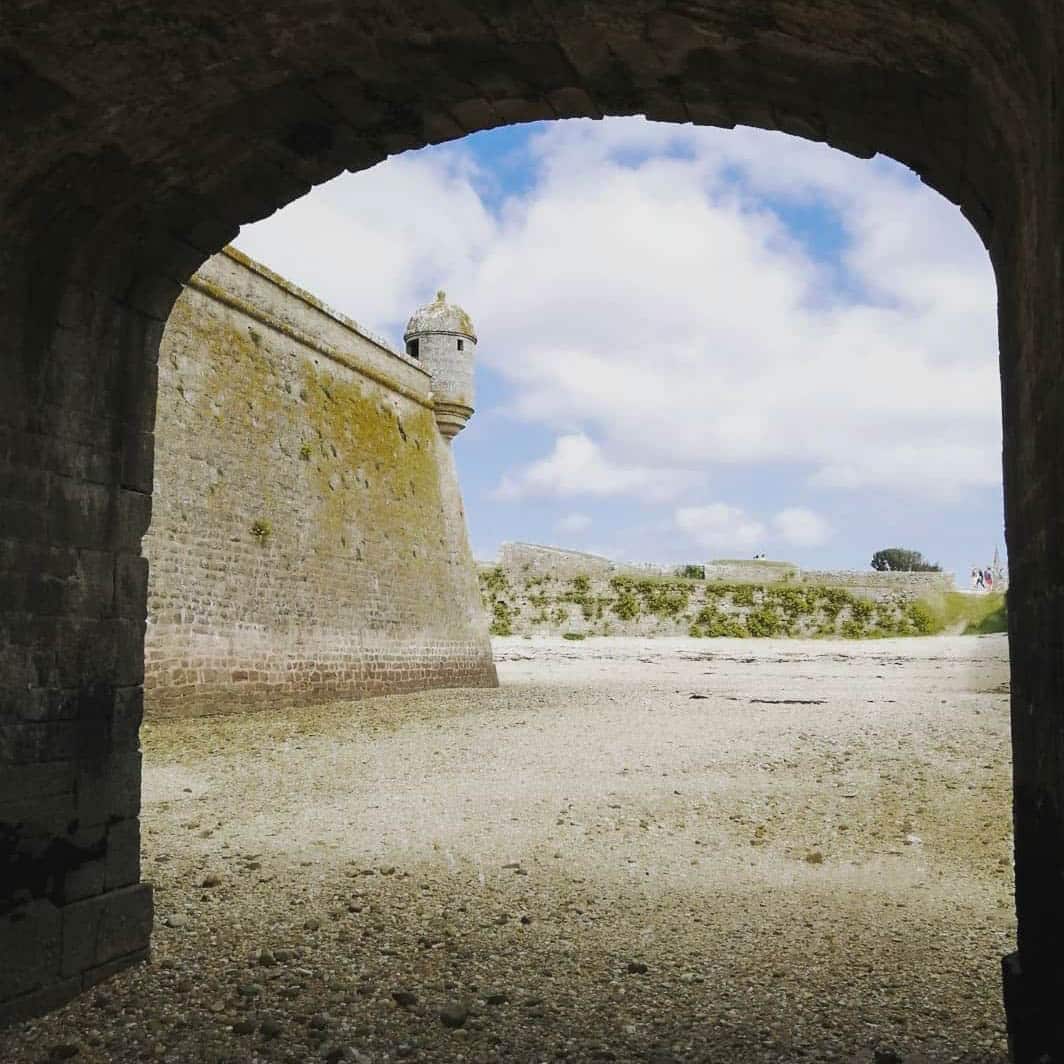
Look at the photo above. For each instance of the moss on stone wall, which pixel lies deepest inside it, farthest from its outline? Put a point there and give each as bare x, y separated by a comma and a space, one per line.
307, 537
358, 437
629, 603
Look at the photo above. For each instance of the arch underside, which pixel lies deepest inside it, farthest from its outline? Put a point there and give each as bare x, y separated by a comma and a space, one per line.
137, 138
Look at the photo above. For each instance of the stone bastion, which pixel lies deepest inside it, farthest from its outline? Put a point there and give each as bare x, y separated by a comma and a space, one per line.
535, 589
308, 540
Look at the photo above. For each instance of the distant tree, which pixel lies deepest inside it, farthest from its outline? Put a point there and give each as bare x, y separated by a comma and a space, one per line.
901, 560
691, 572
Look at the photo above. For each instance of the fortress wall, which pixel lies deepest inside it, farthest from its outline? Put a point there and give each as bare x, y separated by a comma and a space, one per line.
549, 591
750, 572
308, 540
872, 584
534, 560
524, 560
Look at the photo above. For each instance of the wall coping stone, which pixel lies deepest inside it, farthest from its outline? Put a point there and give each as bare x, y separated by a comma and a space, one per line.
349, 359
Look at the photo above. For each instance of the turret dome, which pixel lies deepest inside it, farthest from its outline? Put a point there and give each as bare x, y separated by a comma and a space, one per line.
439, 316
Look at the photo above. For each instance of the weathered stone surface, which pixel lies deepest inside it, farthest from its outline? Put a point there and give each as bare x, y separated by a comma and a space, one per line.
134, 138
103, 929
541, 590
307, 519
33, 942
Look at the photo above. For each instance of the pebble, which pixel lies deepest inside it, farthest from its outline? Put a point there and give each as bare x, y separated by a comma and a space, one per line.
270, 1028
405, 999
814, 857
637, 968
176, 920
212, 879
886, 1055
454, 1015
146, 1015
64, 1051
266, 958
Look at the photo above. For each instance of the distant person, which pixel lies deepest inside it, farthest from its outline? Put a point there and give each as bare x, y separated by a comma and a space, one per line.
980, 581
988, 580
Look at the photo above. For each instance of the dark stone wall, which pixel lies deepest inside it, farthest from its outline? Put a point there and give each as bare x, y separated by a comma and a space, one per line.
136, 138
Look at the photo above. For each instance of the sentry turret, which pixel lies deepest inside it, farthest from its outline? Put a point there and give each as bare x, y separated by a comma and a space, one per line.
441, 337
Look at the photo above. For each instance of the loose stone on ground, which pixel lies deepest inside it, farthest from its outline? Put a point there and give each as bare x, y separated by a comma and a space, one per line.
654, 929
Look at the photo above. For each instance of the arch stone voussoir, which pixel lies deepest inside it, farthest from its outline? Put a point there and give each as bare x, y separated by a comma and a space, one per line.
136, 139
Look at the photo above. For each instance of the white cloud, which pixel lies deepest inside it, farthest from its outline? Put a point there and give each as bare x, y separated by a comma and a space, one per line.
377, 244
644, 300
800, 527
577, 466
720, 527
573, 523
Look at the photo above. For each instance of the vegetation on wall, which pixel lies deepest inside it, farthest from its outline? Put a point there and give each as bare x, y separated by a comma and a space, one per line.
582, 605
495, 590
658, 596
691, 572
261, 529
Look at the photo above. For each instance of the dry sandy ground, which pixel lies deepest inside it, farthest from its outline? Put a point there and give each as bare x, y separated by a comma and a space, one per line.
668, 850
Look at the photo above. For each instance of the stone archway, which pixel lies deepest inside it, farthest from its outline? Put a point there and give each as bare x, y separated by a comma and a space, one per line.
136, 140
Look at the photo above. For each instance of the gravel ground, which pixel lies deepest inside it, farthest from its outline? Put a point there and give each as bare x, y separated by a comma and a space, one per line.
634, 850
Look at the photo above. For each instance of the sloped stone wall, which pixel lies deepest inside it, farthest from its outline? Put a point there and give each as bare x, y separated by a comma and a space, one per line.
750, 572
307, 539
547, 591
872, 584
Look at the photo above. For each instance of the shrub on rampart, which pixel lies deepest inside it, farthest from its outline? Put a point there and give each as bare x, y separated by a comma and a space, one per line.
673, 604
501, 618
495, 580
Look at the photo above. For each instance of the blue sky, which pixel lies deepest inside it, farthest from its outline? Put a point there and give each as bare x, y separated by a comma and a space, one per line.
694, 343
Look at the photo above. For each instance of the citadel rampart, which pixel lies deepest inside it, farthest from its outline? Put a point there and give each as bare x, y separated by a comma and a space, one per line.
308, 539
548, 590
868, 583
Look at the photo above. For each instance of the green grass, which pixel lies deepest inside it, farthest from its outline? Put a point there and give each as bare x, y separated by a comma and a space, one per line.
972, 614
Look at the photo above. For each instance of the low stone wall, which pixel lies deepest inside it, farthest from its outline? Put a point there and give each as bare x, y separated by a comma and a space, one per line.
308, 540
549, 591
640, 605
533, 560
872, 584
751, 572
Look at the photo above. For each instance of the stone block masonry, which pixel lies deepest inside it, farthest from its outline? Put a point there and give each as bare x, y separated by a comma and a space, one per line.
307, 521
550, 591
